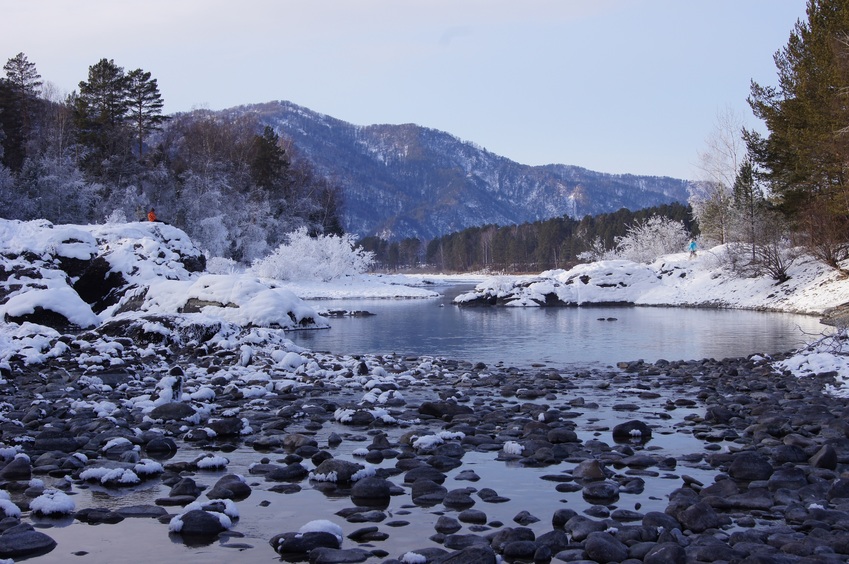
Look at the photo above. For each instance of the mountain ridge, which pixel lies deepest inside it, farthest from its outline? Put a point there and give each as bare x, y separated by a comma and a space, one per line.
408, 180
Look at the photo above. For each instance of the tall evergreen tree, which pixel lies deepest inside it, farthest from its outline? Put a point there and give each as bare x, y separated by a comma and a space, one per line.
100, 111
748, 202
144, 103
19, 93
268, 161
804, 157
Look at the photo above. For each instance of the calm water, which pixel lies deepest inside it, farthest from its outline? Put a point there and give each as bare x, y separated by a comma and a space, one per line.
558, 336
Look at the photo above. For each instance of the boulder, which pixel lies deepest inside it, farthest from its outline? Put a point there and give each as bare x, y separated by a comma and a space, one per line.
23, 541
230, 486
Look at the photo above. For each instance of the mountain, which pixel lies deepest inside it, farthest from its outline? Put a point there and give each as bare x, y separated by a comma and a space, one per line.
405, 180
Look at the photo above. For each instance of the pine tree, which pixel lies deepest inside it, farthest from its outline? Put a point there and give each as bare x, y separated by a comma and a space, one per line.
268, 162
144, 103
100, 111
19, 93
803, 158
748, 202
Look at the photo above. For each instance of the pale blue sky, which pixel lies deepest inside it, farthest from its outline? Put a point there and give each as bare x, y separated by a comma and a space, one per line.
621, 86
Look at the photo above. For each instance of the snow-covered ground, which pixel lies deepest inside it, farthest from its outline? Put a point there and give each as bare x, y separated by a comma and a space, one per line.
673, 280
155, 270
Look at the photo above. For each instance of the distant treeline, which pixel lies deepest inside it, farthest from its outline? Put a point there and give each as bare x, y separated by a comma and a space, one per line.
529, 247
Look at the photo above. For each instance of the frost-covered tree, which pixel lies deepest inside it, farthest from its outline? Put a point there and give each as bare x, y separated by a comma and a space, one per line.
325, 258
8, 194
647, 240
719, 162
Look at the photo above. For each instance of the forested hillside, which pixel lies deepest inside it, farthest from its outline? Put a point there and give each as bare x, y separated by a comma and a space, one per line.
107, 151
407, 181
529, 247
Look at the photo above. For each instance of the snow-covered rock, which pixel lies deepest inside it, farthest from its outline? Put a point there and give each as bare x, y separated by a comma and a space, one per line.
672, 280
65, 276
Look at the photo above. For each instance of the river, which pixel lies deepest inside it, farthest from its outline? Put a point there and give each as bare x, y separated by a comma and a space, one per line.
554, 336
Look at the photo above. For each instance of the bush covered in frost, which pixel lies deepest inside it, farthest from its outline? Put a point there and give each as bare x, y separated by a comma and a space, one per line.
652, 238
325, 258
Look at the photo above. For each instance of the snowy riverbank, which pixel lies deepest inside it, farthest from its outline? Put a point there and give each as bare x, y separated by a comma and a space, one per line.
671, 280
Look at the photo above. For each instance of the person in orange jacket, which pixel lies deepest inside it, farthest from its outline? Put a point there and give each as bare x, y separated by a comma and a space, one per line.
151, 215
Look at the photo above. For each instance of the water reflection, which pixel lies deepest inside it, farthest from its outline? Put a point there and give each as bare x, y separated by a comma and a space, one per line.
558, 336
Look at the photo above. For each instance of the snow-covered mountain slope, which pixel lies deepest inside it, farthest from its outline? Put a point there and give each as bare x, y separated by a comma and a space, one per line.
403, 181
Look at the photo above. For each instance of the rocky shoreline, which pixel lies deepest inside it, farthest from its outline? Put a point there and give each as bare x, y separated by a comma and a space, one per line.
391, 438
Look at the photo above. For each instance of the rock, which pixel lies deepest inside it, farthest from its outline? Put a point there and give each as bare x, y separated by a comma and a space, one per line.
424, 473
562, 435
699, 518
467, 475
226, 426
520, 550
22, 541
173, 411
657, 519
443, 463
292, 472
580, 527
525, 518
137, 511
459, 542
489, 495
427, 492
368, 534
706, 548
448, 525
458, 499
561, 517
825, 457
555, 541
295, 441
470, 555
371, 488
200, 523
445, 410
288, 544
601, 492
788, 477
185, 487
50, 439
589, 470
18, 469
632, 431
160, 447
666, 553
510, 534
338, 471
95, 516
603, 547
230, 486
750, 466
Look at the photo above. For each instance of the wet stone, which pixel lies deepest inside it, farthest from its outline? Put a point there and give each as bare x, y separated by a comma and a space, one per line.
471, 516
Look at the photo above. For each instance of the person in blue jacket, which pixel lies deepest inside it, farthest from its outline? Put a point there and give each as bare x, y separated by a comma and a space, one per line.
692, 248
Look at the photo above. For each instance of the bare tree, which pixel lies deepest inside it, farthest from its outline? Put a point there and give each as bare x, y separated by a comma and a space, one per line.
719, 162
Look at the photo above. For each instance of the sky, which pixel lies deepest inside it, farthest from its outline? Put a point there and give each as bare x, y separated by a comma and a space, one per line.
617, 86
